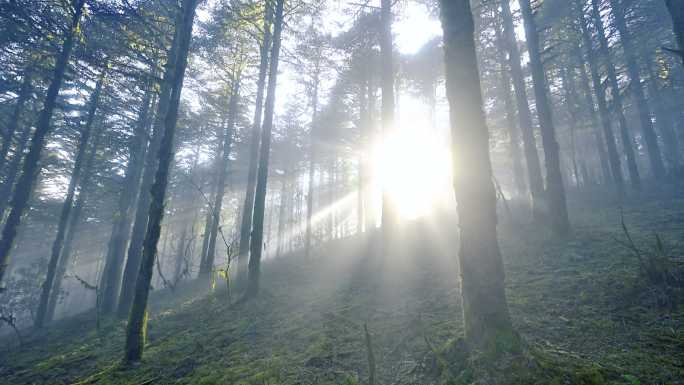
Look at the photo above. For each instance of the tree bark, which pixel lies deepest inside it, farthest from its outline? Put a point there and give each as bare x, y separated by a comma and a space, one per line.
57, 244
487, 321
654, 155
256, 244
248, 207
15, 119
600, 91
534, 176
121, 227
135, 246
207, 265
627, 141
389, 219
555, 192
676, 8
136, 328
74, 221
24, 188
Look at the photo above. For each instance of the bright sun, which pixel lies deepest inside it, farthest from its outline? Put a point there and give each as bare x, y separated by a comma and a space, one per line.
412, 163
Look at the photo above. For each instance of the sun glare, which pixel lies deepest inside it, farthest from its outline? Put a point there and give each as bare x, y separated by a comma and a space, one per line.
412, 164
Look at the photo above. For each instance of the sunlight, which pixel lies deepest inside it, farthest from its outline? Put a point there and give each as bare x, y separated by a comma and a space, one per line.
411, 163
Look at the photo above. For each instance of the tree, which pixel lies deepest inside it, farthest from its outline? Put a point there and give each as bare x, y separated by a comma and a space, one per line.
24, 187
485, 310
68, 204
135, 330
555, 191
256, 242
676, 8
534, 176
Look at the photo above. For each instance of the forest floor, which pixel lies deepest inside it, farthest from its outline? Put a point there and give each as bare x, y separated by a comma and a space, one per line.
580, 303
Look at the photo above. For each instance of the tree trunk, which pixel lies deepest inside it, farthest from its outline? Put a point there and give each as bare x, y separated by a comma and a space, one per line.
514, 135
600, 91
654, 155
389, 219
248, 207
15, 119
256, 244
572, 103
24, 188
534, 176
487, 322
13, 169
663, 120
207, 265
312, 167
121, 228
555, 192
627, 141
67, 206
135, 246
74, 221
136, 328
676, 8
595, 125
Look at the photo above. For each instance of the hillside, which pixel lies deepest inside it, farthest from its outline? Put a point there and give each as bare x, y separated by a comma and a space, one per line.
587, 314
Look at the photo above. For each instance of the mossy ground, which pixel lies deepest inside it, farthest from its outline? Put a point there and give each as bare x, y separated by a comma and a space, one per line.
580, 305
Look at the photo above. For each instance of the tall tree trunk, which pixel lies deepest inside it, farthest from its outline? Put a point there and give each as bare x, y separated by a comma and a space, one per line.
600, 91
312, 166
74, 221
135, 331
487, 320
280, 236
534, 176
572, 103
248, 207
15, 119
676, 8
594, 120
514, 135
663, 120
627, 141
256, 244
121, 227
654, 155
555, 192
387, 105
57, 244
24, 188
207, 265
13, 170
135, 246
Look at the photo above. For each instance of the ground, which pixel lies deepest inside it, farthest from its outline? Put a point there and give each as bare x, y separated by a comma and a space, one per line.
585, 313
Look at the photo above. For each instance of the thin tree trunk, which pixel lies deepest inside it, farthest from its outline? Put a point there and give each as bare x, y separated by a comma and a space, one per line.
594, 120
256, 244
387, 106
312, 167
676, 8
555, 192
534, 176
572, 103
664, 121
248, 207
56, 250
13, 170
208, 264
514, 135
600, 91
627, 141
135, 331
135, 246
15, 119
24, 188
486, 316
74, 221
121, 228
654, 155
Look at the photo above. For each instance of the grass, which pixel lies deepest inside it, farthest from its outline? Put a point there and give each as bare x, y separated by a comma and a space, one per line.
583, 310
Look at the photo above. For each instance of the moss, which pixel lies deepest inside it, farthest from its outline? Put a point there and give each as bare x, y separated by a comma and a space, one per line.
590, 376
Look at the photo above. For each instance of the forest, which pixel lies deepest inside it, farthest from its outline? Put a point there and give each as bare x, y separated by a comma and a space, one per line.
355, 192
